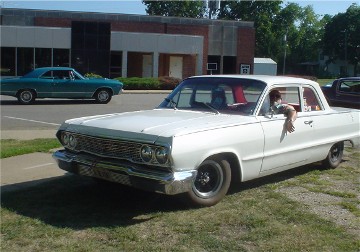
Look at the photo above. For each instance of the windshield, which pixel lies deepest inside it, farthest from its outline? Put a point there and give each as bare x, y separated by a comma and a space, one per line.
216, 94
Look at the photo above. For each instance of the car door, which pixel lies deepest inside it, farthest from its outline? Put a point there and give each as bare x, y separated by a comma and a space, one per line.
283, 150
348, 91
66, 85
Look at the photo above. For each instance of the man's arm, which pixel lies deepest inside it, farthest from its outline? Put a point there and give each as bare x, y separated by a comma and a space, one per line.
291, 117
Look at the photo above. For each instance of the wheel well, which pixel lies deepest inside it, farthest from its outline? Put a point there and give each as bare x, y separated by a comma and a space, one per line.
103, 88
234, 165
23, 89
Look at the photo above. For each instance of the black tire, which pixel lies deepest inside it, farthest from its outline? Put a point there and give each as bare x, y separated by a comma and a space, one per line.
26, 96
334, 156
211, 183
103, 96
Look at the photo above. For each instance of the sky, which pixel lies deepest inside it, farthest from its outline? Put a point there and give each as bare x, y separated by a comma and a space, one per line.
321, 7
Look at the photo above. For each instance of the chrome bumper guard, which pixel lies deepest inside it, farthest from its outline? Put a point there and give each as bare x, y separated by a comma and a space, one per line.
126, 173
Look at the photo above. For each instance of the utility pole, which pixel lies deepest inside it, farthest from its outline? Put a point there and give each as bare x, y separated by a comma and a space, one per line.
345, 46
346, 60
285, 45
213, 6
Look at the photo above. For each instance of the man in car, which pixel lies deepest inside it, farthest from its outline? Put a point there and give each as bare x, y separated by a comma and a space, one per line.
287, 110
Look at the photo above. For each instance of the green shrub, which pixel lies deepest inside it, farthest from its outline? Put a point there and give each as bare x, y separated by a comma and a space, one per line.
161, 83
92, 75
136, 83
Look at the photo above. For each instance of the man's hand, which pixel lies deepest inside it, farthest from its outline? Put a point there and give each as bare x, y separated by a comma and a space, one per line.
290, 126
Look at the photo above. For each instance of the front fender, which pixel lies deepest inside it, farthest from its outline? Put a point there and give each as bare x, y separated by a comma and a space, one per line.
245, 142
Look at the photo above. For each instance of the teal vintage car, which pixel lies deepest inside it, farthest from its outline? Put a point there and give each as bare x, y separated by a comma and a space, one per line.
59, 82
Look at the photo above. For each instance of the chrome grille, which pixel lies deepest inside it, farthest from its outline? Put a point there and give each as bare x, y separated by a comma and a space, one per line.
108, 147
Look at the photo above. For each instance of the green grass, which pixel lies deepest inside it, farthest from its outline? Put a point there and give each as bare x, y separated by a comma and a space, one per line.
73, 213
322, 82
12, 147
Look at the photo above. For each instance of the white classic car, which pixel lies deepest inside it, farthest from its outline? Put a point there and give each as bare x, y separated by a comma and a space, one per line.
209, 132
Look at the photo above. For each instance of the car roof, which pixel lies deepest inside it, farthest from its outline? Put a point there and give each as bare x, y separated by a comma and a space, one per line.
41, 70
268, 79
349, 78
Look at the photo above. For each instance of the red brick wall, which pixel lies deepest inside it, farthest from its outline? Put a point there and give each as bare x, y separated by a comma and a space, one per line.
52, 22
134, 68
189, 66
245, 48
137, 27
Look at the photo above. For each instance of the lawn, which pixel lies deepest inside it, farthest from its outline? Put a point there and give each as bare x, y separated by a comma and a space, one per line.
72, 213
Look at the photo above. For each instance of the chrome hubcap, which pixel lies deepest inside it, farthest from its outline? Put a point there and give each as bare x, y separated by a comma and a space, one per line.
103, 96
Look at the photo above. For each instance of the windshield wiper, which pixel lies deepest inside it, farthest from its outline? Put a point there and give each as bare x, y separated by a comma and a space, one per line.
172, 103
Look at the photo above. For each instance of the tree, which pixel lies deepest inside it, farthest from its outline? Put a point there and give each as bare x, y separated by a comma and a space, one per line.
342, 37
191, 9
304, 36
263, 13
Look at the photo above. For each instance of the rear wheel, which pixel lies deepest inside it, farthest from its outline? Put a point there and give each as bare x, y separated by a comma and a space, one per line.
103, 96
334, 156
26, 96
211, 183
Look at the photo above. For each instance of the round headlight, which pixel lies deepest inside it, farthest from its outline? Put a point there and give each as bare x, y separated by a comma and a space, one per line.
72, 141
161, 155
146, 153
65, 138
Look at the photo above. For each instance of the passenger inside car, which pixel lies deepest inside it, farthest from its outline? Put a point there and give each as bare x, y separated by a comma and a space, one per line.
218, 98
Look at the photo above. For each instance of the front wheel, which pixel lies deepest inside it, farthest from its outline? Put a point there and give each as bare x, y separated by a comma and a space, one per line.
334, 156
103, 96
26, 96
211, 183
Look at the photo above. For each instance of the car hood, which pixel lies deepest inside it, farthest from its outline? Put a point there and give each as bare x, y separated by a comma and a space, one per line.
148, 125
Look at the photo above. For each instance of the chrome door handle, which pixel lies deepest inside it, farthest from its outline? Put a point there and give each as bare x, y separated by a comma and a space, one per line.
309, 122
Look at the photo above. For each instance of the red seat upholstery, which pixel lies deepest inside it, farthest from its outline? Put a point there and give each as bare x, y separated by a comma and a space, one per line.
239, 95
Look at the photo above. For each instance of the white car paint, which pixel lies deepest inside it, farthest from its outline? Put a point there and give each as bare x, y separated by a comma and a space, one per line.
256, 143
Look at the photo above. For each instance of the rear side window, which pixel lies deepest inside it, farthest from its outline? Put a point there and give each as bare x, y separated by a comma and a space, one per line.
350, 86
310, 100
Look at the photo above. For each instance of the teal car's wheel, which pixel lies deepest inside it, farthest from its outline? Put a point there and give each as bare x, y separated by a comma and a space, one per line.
211, 183
103, 96
26, 96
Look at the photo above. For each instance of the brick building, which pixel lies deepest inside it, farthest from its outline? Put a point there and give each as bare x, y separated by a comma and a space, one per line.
114, 45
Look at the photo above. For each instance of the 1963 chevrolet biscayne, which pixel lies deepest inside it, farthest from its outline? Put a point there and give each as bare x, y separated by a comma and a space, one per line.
209, 132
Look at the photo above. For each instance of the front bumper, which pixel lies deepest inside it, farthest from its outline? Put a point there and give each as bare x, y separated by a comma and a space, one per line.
126, 173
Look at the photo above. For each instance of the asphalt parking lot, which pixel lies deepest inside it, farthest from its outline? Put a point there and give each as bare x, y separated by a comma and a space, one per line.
42, 119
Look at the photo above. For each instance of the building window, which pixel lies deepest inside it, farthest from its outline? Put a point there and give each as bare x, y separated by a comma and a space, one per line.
8, 56
61, 57
229, 65
42, 57
115, 64
25, 60
90, 47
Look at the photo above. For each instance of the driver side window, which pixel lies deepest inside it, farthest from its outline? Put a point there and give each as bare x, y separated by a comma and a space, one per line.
289, 95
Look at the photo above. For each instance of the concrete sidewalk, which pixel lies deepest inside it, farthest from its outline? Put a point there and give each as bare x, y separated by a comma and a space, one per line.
30, 169
27, 134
